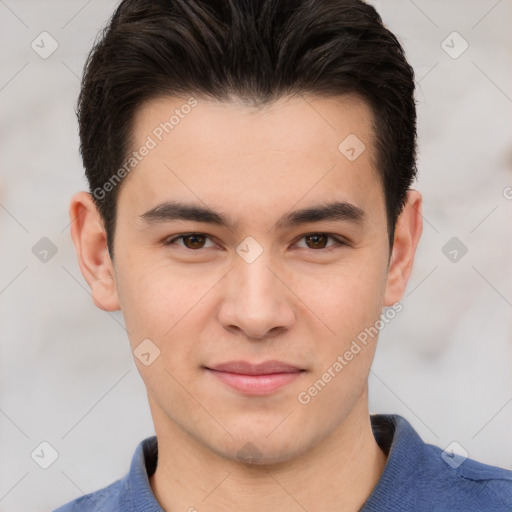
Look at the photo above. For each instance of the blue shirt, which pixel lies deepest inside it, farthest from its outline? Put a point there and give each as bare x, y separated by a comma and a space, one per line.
418, 477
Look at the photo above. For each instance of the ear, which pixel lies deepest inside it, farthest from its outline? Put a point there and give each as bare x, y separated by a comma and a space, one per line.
408, 230
90, 239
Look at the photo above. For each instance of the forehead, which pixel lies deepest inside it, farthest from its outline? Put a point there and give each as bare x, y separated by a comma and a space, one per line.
300, 123
305, 148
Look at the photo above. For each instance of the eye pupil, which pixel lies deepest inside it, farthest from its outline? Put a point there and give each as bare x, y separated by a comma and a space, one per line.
195, 245
316, 237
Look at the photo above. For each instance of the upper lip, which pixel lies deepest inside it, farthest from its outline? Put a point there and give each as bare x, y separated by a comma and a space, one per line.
264, 368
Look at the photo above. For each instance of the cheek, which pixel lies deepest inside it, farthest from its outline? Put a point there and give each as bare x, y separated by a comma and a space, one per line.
347, 298
164, 304
349, 304
158, 306
149, 300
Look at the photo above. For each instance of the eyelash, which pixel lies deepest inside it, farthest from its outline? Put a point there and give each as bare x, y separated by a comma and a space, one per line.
339, 241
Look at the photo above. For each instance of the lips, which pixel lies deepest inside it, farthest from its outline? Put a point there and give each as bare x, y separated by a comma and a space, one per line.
255, 379
265, 368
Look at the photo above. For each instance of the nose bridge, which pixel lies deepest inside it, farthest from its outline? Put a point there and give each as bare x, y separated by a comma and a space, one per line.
256, 300
254, 283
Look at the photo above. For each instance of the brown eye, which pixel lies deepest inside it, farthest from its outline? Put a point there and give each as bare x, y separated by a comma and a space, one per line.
317, 241
194, 241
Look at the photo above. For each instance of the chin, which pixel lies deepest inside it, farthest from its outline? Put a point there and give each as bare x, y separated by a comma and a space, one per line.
260, 451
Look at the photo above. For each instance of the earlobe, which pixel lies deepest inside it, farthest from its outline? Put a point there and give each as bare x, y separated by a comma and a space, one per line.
90, 240
407, 235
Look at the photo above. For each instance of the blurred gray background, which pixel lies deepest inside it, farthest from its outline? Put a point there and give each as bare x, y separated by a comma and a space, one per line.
67, 376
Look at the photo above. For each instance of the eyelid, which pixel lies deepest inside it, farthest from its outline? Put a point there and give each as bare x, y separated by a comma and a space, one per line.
340, 241
170, 240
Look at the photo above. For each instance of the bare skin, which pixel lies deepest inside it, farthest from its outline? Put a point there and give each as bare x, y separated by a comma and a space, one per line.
302, 301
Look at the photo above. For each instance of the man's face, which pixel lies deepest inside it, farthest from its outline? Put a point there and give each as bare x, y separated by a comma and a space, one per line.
256, 290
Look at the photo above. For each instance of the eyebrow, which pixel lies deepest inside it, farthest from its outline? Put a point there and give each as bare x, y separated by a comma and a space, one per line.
175, 210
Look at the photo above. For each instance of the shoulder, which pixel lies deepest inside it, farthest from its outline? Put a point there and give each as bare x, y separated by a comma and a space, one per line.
458, 483
106, 499
424, 477
469, 485
129, 494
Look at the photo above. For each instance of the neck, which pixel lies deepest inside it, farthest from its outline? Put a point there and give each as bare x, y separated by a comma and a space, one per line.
338, 474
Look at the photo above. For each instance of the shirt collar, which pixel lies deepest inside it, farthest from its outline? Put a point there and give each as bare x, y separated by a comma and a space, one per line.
139, 495
404, 449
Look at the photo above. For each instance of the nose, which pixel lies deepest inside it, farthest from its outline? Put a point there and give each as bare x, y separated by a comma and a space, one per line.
257, 299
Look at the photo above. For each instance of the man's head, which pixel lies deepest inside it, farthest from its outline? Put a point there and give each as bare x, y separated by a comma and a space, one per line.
272, 153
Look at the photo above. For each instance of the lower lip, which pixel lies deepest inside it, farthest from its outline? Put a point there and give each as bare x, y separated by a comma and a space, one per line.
256, 384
